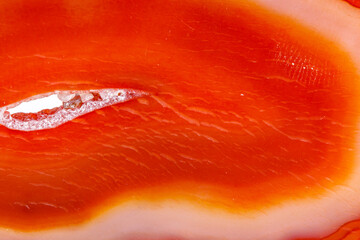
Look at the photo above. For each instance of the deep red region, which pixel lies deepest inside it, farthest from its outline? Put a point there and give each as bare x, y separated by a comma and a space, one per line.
355, 3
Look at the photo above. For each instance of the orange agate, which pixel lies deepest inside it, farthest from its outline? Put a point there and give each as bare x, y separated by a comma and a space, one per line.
245, 109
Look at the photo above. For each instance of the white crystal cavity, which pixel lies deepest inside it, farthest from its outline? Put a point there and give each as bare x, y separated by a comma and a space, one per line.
37, 105
53, 109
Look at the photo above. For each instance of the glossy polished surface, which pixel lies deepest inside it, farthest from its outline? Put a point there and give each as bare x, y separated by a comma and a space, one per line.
245, 110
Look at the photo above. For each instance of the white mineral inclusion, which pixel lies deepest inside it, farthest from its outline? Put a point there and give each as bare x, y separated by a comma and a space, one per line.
53, 100
37, 105
86, 97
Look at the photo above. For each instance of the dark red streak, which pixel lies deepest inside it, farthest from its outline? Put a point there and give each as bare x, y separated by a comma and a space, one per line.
355, 3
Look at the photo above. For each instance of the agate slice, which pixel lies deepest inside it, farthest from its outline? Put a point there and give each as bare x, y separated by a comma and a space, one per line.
182, 119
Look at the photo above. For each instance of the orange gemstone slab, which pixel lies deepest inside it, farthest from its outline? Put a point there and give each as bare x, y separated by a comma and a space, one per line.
245, 111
